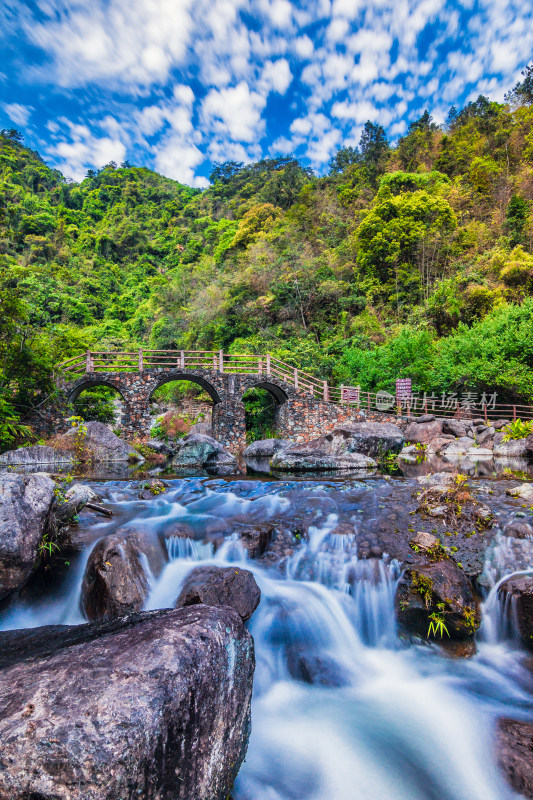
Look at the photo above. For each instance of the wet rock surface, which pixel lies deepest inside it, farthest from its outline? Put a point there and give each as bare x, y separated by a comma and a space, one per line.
155, 706
347, 447
437, 588
25, 503
102, 444
514, 748
199, 450
265, 448
115, 582
231, 587
38, 455
518, 592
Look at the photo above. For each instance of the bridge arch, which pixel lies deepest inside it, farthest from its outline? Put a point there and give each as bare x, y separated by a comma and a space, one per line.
91, 383
191, 377
275, 390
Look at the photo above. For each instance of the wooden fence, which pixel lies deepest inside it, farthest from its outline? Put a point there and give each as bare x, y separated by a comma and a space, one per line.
443, 405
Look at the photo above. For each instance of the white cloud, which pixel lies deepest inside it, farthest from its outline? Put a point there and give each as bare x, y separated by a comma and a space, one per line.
234, 112
178, 159
18, 113
276, 76
82, 151
133, 44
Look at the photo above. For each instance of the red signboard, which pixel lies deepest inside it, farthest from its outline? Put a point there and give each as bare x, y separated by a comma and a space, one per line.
350, 395
403, 390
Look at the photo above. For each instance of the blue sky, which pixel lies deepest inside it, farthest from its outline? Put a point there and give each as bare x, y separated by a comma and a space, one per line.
178, 84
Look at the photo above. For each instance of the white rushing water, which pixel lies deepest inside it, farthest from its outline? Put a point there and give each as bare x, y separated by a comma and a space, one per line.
343, 707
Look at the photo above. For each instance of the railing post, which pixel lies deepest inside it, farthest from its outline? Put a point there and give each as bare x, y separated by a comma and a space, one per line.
260, 366
368, 400
325, 390
214, 362
182, 359
268, 363
88, 362
295, 378
221, 360
485, 412
342, 393
514, 413
140, 359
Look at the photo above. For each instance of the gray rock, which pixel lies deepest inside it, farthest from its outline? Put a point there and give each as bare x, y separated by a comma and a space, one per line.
198, 450
456, 427
524, 492
298, 461
437, 479
25, 503
519, 529
372, 439
103, 445
115, 582
529, 446
499, 424
424, 432
520, 589
485, 437
425, 418
221, 586
459, 447
204, 428
159, 446
265, 448
514, 448
422, 588
153, 706
514, 745
37, 455
424, 541
76, 498
437, 445
347, 447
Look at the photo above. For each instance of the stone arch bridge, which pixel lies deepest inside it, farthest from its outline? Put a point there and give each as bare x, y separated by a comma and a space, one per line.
305, 406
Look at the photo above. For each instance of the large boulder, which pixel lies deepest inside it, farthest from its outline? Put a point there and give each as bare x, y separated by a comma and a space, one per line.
199, 450
37, 456
372, 439
101, 443
423, 432
204, 428
455, 427
529, 446
425, 587
25, 503
265, 448
115, 582
519, 590
154, 706
524, 492
513, 448
74, 500
221, 586
347, 447
514, 746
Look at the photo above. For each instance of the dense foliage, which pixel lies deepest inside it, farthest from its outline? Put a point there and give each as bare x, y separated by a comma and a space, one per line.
414, 260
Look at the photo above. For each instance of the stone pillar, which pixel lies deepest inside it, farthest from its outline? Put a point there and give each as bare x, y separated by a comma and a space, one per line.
136, 419
281, 419
229, 425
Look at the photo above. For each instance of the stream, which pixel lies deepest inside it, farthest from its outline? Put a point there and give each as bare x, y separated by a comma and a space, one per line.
344, 706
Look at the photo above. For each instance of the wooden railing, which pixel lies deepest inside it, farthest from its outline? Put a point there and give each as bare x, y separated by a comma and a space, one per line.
442, 406
241, 364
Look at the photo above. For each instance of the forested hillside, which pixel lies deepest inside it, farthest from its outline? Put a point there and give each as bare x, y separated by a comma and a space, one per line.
414, 260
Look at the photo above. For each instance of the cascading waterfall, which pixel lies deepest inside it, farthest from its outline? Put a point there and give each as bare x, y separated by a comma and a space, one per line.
343, 707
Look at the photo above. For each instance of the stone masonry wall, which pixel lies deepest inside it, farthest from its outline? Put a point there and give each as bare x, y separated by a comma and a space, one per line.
299, 416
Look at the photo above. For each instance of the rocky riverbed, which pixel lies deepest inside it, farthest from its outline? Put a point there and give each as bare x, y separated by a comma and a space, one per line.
389, 615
